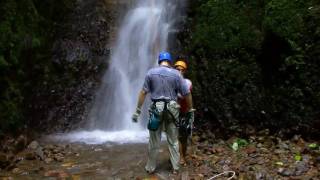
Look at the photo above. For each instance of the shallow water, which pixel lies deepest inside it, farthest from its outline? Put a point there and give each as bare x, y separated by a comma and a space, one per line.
84, 161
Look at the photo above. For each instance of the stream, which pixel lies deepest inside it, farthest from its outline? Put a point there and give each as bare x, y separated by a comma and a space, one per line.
84, 161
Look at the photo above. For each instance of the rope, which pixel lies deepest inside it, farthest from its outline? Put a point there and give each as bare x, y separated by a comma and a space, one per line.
226, 172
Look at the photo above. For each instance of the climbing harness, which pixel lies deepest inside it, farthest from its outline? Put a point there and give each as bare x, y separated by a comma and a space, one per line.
157, 108
226, 172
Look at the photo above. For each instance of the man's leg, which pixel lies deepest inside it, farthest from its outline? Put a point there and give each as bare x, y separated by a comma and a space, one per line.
173, 143
183, 150
154, 146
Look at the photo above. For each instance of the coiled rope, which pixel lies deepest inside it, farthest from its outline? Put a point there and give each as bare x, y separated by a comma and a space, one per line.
226, 172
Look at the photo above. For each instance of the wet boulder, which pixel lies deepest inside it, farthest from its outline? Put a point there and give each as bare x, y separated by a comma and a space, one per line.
34, 151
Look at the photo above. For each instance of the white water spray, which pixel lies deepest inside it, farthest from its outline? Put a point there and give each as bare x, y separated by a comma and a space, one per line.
143, 34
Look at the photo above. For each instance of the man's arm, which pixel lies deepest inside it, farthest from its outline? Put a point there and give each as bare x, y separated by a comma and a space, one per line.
185, 90
141, 98
188, 98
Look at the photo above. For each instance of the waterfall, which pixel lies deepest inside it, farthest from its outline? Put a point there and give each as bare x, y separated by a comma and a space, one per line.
144, 32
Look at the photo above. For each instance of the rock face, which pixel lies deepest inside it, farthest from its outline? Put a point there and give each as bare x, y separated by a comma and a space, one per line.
80, 55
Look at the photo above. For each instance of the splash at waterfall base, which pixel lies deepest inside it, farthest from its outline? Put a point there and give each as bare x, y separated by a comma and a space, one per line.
102, 137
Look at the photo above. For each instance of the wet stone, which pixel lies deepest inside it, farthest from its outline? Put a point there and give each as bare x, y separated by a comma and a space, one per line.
264, 150
20, 143
260, 175
254, 155
40, 153
284, 145
48, 160
306, 158
17, 171
4, 160
30, 155
58, 158
243, 168
33, 145
49, 147
285, 172
301, 168
279, 151
318, 160
250, 150
56, 151
260, 161
296, 138
97, 149
251, 168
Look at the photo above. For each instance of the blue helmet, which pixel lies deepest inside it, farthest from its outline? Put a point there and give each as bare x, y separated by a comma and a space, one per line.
164, 56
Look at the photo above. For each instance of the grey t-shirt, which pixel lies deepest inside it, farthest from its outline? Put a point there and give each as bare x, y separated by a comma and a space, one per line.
165, 83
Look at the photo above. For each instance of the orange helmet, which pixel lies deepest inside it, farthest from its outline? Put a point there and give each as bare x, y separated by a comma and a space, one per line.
181, 64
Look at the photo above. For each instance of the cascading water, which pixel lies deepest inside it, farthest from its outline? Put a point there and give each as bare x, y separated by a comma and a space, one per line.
143, 34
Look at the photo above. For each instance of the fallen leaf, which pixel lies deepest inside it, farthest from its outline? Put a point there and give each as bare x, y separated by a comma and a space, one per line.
297, 157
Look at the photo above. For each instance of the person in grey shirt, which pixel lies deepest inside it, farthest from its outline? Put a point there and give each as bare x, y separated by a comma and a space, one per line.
163, 83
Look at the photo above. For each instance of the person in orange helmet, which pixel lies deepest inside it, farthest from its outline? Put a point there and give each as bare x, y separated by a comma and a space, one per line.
186, 115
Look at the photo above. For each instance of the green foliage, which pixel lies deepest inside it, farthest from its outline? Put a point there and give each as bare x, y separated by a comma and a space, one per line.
313, 146
24, 39
3, 63
286, 18
239, 143
256, 61
298, 157
224, 25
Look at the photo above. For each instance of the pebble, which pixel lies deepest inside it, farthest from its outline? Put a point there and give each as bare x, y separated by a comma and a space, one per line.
285, 172
259, 145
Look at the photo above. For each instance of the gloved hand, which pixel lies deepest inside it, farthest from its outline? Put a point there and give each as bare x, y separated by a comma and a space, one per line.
136, 115
190, 115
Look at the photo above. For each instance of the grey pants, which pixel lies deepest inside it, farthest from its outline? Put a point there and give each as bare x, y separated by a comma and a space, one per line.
168, 126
